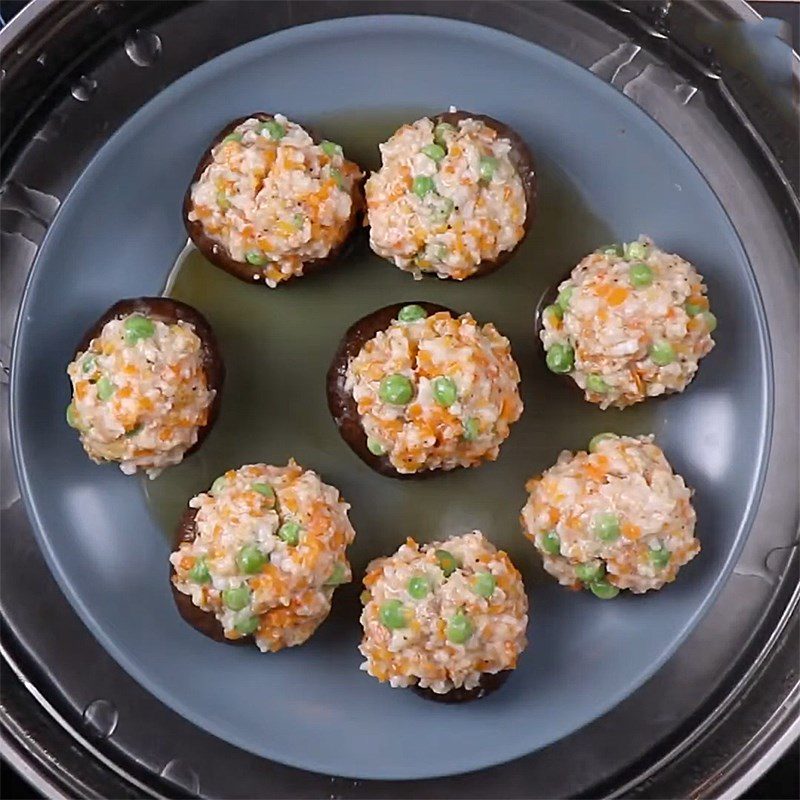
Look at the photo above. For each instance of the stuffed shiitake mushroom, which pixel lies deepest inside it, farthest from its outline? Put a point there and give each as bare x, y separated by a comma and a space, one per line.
268, 202
260, 554
630, 322
414, 387
446, 618
616, 517
146, 384
454, 197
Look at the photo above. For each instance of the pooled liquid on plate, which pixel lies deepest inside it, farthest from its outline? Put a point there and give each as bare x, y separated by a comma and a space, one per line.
277, 345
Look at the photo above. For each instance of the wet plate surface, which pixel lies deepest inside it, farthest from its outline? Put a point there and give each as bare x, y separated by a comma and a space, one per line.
606, 172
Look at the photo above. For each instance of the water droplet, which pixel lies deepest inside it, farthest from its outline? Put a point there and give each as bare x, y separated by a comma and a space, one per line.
685, 92
2, 73
182, 774
143, 48
41, 59
609, 66
38, 206
84, 88
21, 49
101, 717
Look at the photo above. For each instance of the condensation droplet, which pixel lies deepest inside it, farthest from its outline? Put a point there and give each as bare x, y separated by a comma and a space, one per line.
101, 717
685, 92
41, 59
84, 88
143, 48
609, 66
38, 206
180, 773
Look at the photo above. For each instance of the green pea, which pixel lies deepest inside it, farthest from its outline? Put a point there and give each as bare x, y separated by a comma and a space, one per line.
446, 561
236, 599
614, 249
273, 129
487, 168
263, 488
636, 251
445, 392
560, 358
133, 431
553, 311
484, 584
199, 572
298, 220
411, 313
233, 137
250, 559
105, 388
471, 429
564, 296
606, 526
289, 532
255, 257
459, 629
594, 442
603, 589
375, 447
595, 383
438, 252
640, 275
441, 130
692, 309
710, 320
138, 327
590, 571
440, 212
421, 185
338, 178
660, 557
434, 151
551, 542
218, 485
396, 389
247, 626
331, 149
222, 201
418, 587
661, 353
88, 364
338, 576
393, 614
72, 416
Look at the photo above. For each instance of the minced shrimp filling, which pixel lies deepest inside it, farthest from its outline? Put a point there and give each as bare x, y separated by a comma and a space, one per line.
435, 392
445, 199
140, 393
273, 198
268, 554
631, 322
616, 517
441, 615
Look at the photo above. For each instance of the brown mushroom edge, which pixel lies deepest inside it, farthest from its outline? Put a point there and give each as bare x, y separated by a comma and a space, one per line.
168, 311
489, 682
341, 403
522, 160
219, 256
203, 621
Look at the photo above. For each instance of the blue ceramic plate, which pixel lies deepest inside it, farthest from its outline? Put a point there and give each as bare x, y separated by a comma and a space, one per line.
606, 171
